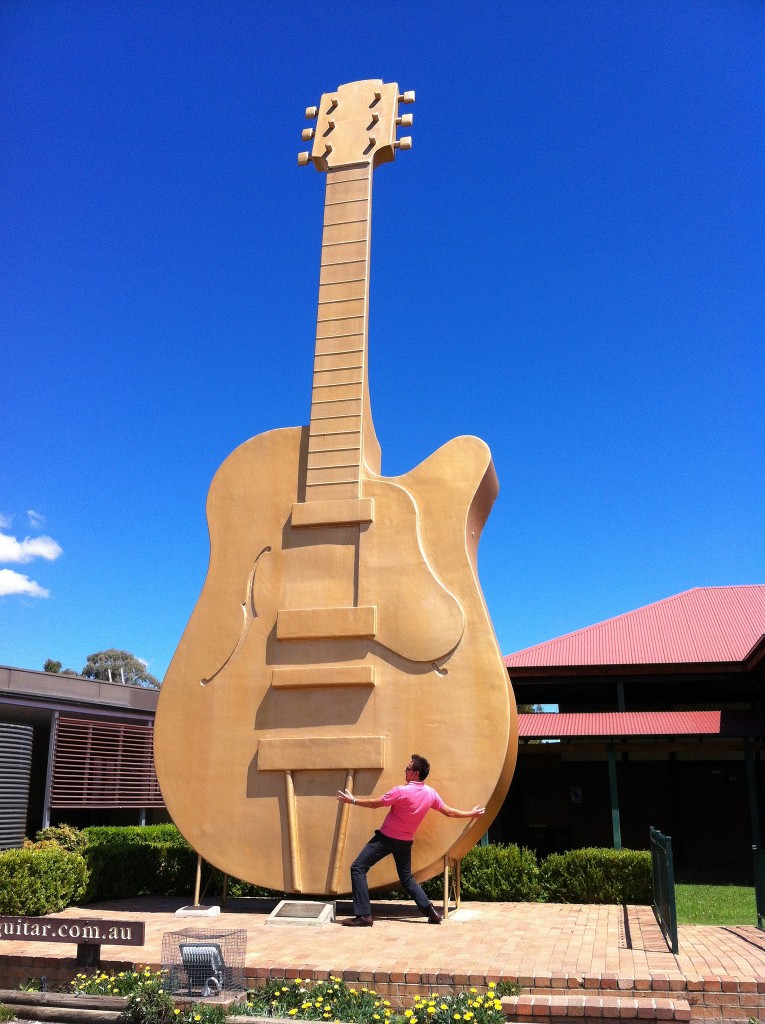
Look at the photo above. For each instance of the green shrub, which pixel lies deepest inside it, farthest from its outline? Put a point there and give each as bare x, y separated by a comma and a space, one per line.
597, 876
165, 865
7, 1013
493, 874
41, 881
119, 870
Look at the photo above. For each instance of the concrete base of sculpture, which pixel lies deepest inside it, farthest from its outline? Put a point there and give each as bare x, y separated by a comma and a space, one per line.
197, 912
301, 912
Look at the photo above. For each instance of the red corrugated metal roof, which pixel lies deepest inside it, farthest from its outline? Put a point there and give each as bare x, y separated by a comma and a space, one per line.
548, 725
707, 624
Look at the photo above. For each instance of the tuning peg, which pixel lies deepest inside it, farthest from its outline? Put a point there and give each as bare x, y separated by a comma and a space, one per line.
333, 103
304, 159
406, 120
405, 143
372, 140
307, 134
407, 97
375, 118
311, 113
330, 123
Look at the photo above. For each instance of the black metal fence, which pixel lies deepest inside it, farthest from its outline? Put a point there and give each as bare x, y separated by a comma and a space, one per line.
664, 886
759, 884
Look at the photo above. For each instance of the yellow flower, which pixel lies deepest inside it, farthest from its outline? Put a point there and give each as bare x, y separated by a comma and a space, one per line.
292, 1012
431, 1009
442, 1006
408, 1013
492, 984
468, 1015
457, 1016
197, 1016
497, 1004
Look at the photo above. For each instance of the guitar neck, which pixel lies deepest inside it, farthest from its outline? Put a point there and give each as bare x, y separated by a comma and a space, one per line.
341, 433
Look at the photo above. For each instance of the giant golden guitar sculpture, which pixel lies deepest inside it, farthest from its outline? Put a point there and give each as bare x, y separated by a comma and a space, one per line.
341, 625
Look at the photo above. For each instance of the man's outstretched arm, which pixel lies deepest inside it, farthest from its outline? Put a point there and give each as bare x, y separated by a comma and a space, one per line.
346, 797
454, 812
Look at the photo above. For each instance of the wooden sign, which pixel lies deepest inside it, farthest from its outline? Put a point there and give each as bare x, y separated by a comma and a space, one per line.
341, 626
82, 931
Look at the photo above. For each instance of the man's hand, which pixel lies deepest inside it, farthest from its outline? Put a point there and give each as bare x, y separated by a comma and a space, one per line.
477, 811
345, 796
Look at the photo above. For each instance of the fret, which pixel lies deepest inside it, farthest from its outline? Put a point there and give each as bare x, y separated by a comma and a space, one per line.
321, 480
337, 381
324, 434
335, 320
340, 445
350, 422
343, 368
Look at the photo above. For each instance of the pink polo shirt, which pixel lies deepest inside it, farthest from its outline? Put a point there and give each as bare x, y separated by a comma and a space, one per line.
408, 806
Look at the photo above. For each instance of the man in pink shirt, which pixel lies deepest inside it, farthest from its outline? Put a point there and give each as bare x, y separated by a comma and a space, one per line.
408, 806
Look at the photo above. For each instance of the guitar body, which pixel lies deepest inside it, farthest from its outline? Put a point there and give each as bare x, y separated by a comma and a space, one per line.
341, 627
217, 703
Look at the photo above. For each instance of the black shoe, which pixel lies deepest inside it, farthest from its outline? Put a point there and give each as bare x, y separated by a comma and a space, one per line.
358, 922
433, 915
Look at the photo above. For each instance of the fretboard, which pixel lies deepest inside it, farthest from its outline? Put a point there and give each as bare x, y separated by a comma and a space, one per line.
339, 400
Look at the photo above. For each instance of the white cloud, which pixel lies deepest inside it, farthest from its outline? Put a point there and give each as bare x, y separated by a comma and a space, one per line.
36, 519
19, 551
16, 583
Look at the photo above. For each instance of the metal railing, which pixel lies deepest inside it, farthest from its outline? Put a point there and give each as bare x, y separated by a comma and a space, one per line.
759, 884
664, 886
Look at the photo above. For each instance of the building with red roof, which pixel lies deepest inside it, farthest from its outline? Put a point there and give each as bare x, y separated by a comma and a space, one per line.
659, 724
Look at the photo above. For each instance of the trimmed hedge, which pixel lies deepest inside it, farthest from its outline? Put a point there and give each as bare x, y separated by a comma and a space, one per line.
495, 874
595, 875
41, 881
104, 835
165, 866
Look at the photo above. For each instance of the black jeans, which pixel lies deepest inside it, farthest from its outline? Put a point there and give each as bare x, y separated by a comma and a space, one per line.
380, 846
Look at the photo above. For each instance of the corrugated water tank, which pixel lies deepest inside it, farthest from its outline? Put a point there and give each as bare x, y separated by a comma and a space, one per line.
15, 765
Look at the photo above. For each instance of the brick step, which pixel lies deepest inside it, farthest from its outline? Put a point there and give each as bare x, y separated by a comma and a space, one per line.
529, 1009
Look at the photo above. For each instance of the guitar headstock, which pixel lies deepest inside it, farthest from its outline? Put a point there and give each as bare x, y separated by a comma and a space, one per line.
356, 124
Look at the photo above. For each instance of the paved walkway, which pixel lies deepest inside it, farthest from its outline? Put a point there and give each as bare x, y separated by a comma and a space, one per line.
538, 944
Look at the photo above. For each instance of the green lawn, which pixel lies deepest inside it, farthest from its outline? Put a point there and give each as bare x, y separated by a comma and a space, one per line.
715, 904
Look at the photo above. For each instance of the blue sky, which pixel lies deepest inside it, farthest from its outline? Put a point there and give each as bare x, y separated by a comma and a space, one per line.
567, 264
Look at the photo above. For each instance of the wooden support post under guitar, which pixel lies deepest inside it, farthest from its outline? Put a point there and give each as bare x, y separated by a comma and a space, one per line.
341, 626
